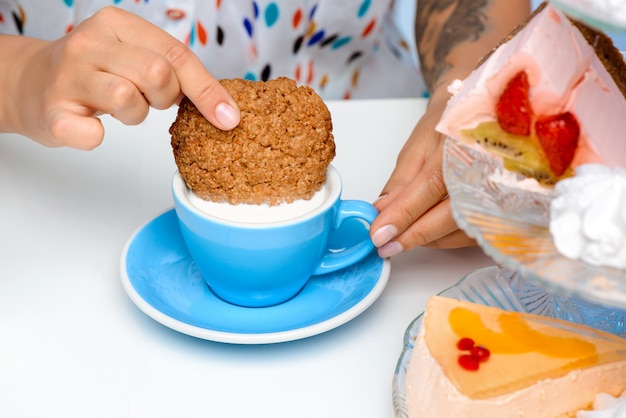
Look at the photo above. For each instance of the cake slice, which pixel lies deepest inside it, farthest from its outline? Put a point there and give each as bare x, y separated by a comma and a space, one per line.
472, 360
549, 98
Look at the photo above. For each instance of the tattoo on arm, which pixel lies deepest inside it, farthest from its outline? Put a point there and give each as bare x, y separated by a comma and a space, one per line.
440, 25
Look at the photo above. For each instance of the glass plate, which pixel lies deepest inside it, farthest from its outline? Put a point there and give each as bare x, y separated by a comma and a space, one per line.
507, 289
511, 224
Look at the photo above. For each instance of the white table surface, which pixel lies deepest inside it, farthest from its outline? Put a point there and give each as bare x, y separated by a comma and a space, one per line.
72, 344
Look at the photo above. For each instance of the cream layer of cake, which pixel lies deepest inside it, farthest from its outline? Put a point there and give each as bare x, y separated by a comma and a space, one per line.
564, 74
538, 367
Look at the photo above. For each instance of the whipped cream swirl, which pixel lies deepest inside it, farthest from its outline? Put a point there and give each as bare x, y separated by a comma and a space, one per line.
606, 406
588, 216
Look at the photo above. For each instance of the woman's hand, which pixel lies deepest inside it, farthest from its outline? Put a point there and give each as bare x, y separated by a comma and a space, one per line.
414, 208
451, 38
112, 63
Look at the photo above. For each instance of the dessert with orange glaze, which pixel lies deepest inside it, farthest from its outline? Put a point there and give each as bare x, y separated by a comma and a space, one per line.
471, 360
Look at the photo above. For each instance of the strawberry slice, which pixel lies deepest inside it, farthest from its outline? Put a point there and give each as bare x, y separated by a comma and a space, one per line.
513, 109
558, 136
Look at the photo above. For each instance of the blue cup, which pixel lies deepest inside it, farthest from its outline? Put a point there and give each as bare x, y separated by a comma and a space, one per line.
263, 263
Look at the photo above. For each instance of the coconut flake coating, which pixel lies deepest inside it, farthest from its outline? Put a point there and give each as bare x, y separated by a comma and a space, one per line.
279, 152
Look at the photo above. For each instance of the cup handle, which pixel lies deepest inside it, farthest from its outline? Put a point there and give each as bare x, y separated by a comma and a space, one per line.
338, 259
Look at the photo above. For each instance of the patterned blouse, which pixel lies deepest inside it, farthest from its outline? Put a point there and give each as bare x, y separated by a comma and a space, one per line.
342, 48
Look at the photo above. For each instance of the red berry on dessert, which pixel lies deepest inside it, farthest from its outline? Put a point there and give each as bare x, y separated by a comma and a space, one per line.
480, 353
465, 344
558, 136
468, 362
513, 110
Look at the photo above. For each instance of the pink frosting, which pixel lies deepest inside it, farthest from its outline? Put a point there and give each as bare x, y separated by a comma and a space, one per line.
564, 74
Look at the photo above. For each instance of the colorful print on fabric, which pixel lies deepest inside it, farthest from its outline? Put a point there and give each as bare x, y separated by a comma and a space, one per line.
364, 8
19, 17
198, 33
336, 47
271, 14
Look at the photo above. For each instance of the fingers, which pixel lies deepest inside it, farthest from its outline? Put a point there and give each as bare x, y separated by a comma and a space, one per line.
115, 96
76, 131
148, 72
435, 229
211, 99
413, 207
407, 199
408, 166
113, 63
456, 239
119, 64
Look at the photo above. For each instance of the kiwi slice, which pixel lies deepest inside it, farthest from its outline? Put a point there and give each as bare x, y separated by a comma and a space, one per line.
521, 154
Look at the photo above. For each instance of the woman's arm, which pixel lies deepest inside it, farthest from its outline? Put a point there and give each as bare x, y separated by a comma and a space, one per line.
451, 36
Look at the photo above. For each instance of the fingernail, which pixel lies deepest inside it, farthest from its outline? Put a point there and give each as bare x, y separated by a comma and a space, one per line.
383, 235
381, 197
226, 115
390, 249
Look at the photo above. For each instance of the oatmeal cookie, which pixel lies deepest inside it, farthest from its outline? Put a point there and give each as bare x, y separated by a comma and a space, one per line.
279, 152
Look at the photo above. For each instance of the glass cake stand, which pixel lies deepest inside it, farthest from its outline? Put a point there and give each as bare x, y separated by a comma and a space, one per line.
510, 221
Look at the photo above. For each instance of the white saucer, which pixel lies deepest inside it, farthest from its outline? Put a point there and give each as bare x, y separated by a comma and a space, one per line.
162, 280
